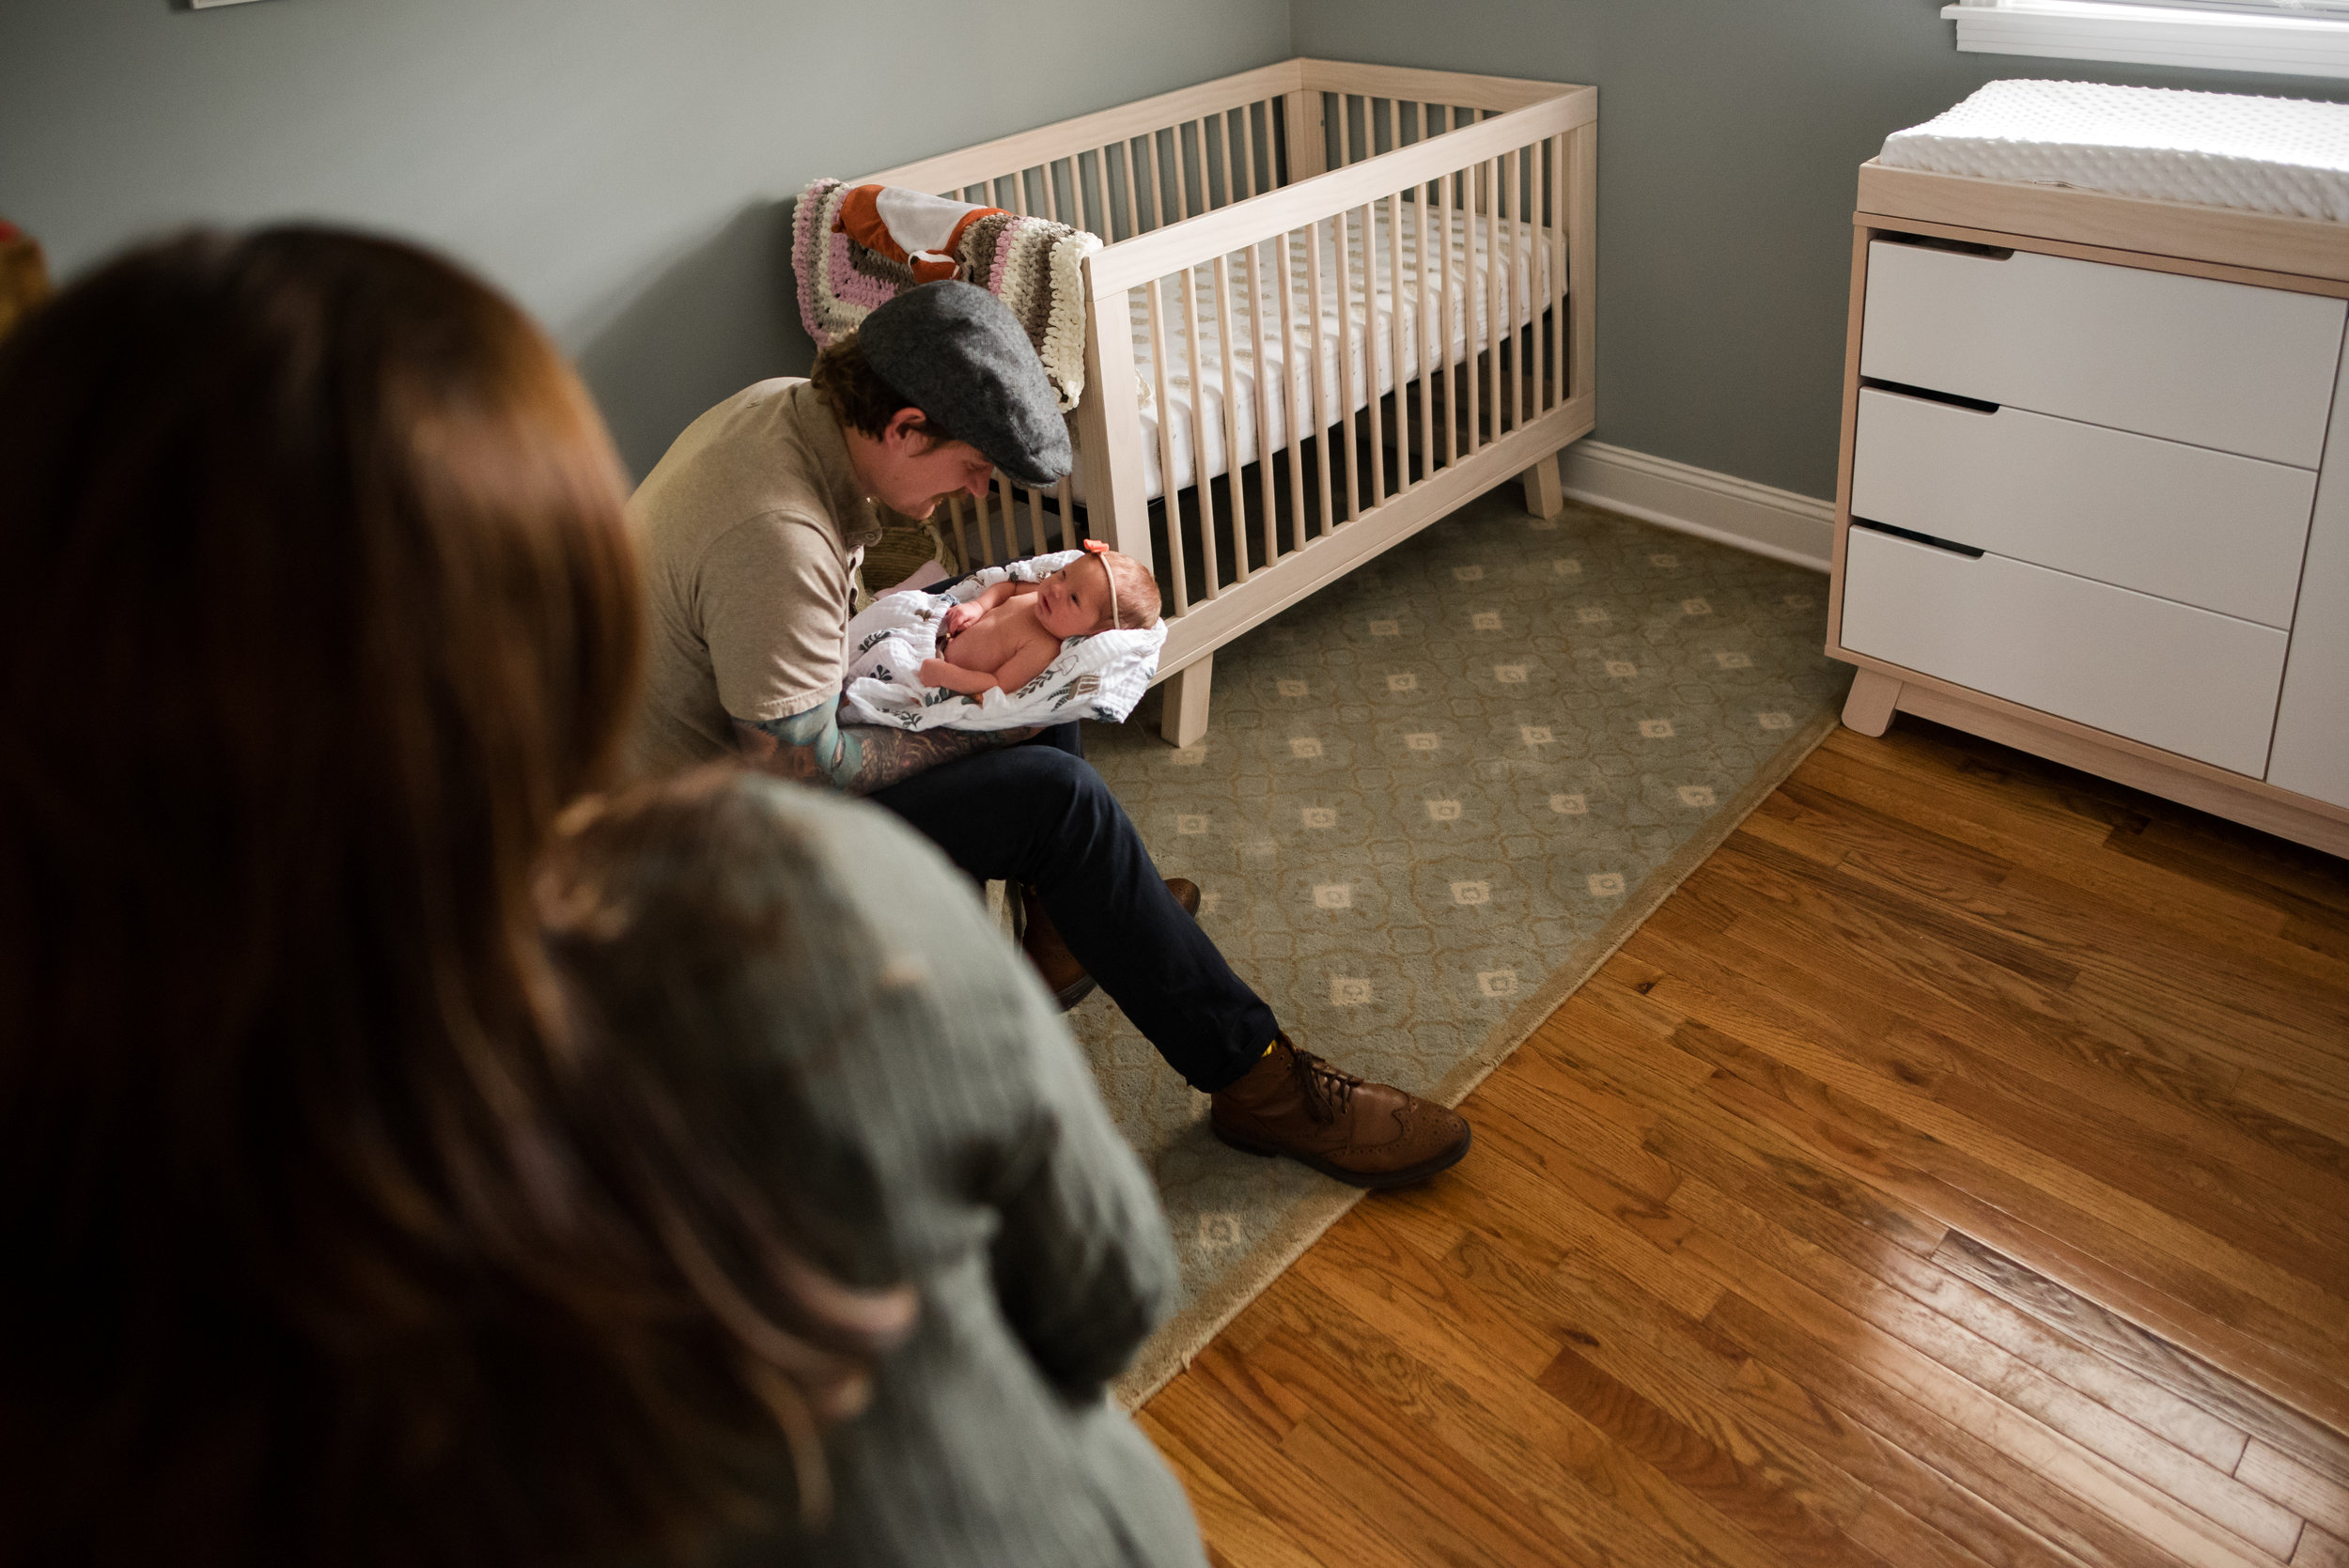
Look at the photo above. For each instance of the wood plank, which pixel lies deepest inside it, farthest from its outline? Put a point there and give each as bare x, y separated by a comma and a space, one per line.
1585, 1486
2131, 1394
2003, 1383
1987, 1154
2319, 1549
1642, 1340
1698, 1466
2088, 1506
1265, 1476
1239, 1533
2291, 1214
2181, 1095
2205, 1313
2188, 1376
2318, 1498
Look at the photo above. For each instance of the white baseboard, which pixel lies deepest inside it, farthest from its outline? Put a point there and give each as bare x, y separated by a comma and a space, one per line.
1774, 522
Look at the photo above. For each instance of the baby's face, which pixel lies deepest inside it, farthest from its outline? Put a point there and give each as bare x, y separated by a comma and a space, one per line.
1075, 601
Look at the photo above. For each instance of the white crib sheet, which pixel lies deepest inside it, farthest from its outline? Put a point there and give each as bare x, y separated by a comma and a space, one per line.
2288, 156
1525, 254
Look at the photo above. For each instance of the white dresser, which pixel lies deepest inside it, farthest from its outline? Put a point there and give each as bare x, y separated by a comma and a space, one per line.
2094, 491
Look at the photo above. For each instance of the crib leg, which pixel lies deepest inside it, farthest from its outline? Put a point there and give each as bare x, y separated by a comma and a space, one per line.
1543, 496
1185, 717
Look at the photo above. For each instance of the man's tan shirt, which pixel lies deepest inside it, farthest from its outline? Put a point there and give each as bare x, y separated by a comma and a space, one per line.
747, 528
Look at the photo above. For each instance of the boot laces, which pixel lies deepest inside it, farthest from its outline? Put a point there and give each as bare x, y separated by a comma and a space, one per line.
1327, 1090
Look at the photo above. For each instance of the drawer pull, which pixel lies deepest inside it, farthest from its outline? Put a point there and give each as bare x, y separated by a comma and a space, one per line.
1960, 247
1912, 535
1952, 398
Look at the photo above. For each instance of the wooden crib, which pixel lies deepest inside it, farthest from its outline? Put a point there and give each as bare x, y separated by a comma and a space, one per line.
1333, 305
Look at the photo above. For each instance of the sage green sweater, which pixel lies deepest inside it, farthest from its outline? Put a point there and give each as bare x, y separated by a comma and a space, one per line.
899, 1078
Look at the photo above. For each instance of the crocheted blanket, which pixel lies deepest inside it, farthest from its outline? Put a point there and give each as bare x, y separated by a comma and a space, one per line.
853, 247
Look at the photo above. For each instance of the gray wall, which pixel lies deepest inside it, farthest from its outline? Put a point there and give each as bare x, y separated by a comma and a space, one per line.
1730, 134
622, 167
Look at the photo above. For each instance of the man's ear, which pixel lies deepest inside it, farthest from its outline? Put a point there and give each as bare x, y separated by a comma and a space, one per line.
906, 424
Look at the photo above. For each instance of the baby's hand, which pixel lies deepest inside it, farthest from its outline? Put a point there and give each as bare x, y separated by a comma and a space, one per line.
934, 671
958, 617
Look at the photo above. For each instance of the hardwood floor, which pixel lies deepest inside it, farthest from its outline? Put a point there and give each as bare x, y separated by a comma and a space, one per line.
1954, 1171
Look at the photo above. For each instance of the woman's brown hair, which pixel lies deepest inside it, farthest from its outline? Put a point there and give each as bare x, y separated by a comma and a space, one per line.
333, 1235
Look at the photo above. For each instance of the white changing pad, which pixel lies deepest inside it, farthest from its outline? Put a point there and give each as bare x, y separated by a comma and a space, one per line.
1098, 676
1523, 263
2281, 155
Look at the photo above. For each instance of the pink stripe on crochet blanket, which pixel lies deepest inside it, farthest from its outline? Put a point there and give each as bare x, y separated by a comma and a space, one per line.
1004, 243
851, 285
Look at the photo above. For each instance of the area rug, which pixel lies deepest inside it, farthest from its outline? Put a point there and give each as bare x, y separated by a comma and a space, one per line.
1431, 799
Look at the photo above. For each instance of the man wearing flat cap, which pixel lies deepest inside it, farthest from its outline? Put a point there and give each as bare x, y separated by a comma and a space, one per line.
752, 525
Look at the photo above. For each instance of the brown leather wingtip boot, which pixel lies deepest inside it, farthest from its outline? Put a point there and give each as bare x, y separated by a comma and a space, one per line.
1293, 1103
1040, 939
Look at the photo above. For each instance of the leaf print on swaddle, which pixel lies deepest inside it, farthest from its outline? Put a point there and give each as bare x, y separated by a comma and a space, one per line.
1083, 686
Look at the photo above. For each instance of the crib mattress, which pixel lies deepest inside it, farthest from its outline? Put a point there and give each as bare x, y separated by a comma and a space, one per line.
1371, 369
2287, 156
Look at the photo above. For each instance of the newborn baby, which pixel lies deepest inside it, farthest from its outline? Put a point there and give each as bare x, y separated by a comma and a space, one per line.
1005, 637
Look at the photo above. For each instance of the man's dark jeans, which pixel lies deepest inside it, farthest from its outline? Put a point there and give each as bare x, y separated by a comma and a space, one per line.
1038, 814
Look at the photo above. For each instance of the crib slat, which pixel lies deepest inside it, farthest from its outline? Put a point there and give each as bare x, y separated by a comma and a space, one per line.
1070, 535
1125, 170
1558, 280
1431, 351
1321, 399
1450, 312
1223, 155
1395, 309
1204, 488
1154, 301
1582, 259
1370, 348
1192, 207
1494, 309
1472, 274
1268, 504
1248, 146
1292, 410
1340, 227
1231, 418
1036, 518
1158, 184
1518, 250
1307, 136
962, 536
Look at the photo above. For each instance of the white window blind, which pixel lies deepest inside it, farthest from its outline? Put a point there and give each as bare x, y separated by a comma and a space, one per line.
2292, 37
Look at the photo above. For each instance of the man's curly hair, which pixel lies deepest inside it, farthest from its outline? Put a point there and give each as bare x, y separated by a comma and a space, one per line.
864, 402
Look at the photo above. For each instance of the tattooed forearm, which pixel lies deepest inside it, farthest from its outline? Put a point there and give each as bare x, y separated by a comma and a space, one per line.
815, 747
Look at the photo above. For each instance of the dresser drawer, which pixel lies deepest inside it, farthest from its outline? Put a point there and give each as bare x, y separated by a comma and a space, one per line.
2221, 365
2184, 679
2207, 528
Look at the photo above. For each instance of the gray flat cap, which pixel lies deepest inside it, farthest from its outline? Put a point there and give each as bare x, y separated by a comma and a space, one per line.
958, 354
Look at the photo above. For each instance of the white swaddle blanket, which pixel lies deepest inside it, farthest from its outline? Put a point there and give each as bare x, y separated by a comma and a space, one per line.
1098, 676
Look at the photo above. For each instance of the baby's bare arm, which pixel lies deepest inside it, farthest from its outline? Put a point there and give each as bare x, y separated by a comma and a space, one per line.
1027, 662
962, 615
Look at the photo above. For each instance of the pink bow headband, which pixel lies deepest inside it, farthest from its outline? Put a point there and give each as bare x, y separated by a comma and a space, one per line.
1095, 547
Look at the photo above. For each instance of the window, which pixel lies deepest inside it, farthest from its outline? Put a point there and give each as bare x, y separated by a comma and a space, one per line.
2291, 37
